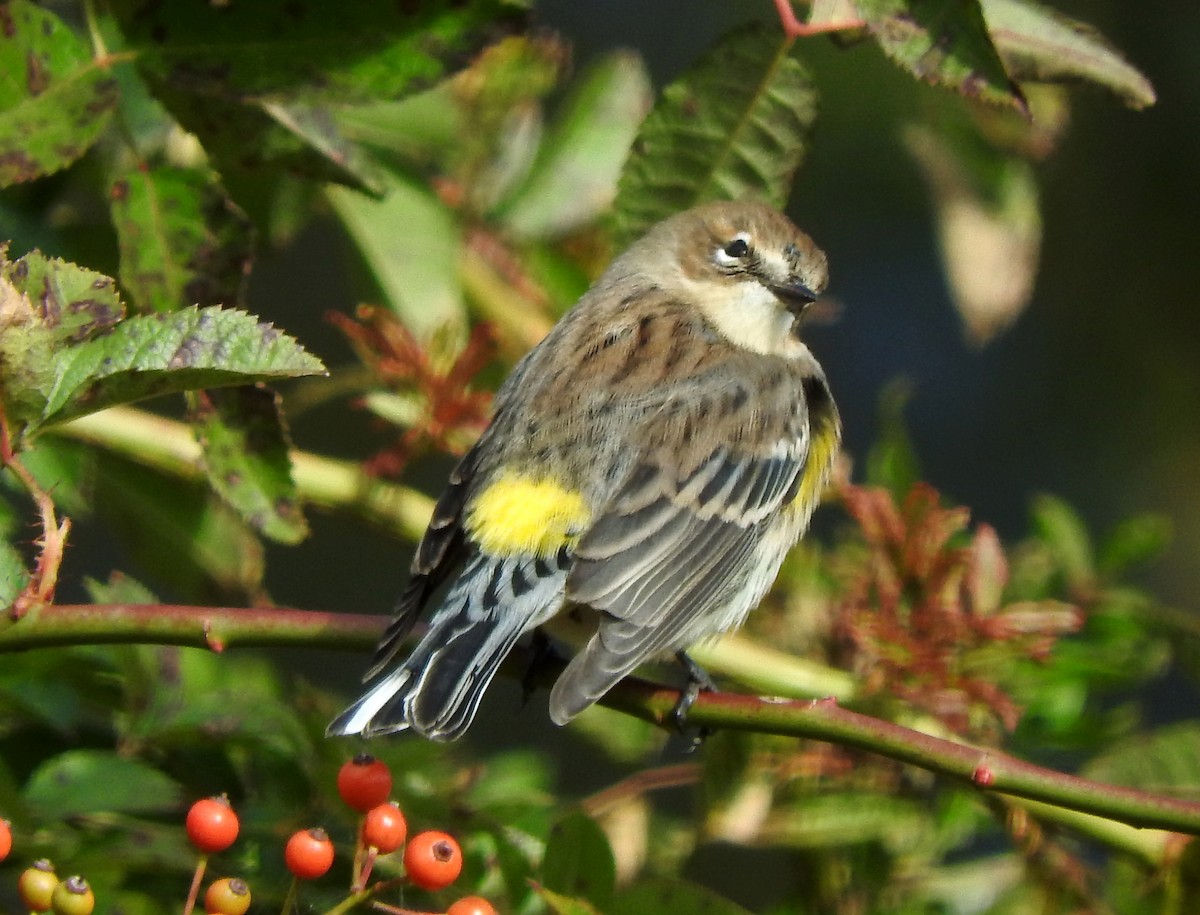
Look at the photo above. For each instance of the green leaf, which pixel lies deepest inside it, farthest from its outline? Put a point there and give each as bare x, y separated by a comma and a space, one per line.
565, 905
119, 589
410, 241
944, 42
98, 781
55, 100
574, 178
13, 574
245, 446
1166, 760
309, 49
892, 461
735, 125
1133, 542
579, 861
1065, 534
671, 897
163, 353
182, 241
177, 533
1040, 44
45, 304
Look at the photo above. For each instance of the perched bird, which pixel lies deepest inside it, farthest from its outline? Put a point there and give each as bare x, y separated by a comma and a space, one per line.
653, 459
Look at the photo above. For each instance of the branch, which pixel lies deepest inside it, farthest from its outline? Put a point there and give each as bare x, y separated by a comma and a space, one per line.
989, 770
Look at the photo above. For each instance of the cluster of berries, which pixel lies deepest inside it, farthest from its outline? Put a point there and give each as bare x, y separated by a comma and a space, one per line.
432, 859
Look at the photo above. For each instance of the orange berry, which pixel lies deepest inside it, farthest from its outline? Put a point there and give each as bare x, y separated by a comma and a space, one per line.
385, 828
211, 824
308, 854
471, 905
364, 782
432, 860
5, 838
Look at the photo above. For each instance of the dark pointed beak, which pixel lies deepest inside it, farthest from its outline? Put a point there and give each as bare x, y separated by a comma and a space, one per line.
795, 296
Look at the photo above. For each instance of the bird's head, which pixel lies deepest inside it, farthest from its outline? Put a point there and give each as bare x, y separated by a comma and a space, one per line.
745, 265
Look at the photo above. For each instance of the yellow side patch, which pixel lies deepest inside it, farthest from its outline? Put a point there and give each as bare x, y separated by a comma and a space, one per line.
821, 452
519, 516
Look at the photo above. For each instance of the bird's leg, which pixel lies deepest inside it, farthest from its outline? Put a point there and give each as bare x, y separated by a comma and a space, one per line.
698, 681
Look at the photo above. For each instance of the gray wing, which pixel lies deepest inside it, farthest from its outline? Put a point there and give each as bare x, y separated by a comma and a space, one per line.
668, 559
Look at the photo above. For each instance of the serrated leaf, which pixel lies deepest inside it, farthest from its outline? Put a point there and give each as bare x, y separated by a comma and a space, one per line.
81, 782
574, 177
1040, 44
55, 99
989, 227
410, 241
944, 42
245, 446
149, 355
579, 862
45, 304
182, 241
735, 125
309, 49
671, 897
178, 534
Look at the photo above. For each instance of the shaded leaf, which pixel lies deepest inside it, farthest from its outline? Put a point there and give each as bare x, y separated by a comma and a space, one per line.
671, 897
157, 354
560, 904
1065, 534
1166, 760
735, 125
892, 461
178, 534
1133, 542
579, 862
944, 42
182, 242
55, 100
306, 50
13, 574
574, 178
989, 227
94, 781
119, 589
410, 241
245, 444
1040, 44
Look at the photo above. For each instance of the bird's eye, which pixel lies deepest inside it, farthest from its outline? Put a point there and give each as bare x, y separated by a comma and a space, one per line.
733, 252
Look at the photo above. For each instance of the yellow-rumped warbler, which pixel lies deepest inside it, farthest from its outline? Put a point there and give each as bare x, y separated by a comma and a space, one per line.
653, 458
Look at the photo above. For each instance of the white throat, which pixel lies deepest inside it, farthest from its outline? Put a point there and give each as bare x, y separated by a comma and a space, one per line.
749, 315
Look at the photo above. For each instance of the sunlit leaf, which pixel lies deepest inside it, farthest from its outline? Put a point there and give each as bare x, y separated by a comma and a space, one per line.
734, 126
1038, 43
944, 42
246, 445
574, 178
157, 354
410, 241
182, 242
55, 99
989, 227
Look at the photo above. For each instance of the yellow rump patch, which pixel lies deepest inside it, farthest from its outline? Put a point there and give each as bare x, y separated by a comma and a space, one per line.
519, 516
821, 453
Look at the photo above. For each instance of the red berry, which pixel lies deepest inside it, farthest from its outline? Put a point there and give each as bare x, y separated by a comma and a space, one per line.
36, 885
385, 828
229, 896
364, 782
5, 839
308, 854
471, 905
212, 825
72, 896
432, 860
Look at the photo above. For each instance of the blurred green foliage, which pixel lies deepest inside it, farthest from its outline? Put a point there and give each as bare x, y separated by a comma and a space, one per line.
476, 178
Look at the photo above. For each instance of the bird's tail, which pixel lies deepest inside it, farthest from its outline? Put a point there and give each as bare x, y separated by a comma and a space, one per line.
437, 689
